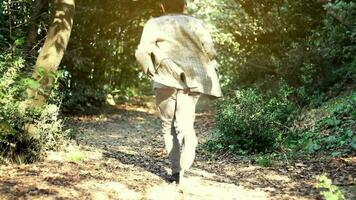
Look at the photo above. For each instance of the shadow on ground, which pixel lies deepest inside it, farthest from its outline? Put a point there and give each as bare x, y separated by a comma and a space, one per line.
121, 156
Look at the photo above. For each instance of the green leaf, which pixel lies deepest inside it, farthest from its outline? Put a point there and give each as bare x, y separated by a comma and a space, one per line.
33, 84
313, 147
353, 142
350, 133
19, 41
5, 129
331, 139
335, 154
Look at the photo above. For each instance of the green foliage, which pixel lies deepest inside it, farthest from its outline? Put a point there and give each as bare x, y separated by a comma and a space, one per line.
253, 121
276, 57
298, 41
308, 45
100, 57
14, 16
84, 97
76, 156
329, 128
264, 161
17, 116
330, 191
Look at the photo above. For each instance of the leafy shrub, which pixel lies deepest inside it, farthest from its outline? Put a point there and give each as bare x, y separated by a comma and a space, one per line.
251, 121
329, 128
264, 161
83, 97
330, 191
17, 116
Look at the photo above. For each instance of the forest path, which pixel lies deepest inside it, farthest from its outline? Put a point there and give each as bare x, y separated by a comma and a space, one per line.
120, 155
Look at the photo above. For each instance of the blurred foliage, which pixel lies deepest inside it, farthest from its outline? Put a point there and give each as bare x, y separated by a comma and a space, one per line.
331, 192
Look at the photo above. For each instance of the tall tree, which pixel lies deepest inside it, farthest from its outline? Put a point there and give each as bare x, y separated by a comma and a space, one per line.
52, 51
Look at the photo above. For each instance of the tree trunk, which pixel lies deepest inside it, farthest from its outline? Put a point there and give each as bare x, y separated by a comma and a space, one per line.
52, 51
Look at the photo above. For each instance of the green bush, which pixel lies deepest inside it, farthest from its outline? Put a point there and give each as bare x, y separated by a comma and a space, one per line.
329, 128
17, 116
314, 54
83, 97
252, 121
329, 191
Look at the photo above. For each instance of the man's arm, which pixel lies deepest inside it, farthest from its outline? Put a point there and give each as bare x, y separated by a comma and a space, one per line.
146, 47
206, 40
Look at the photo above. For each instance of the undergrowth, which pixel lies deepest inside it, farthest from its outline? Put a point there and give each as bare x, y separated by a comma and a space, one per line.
17, 116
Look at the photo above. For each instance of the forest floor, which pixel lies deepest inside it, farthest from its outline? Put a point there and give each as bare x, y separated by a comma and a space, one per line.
120, 155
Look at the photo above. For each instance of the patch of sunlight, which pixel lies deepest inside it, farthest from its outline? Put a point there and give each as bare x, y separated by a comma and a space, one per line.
99, 196
122, 191
113, 136
197, 188
149, 110
100, 118
54, 156
109, 190
277, 177
205, 174
164, 191
127, 150
74, 154
140, 119
249, 168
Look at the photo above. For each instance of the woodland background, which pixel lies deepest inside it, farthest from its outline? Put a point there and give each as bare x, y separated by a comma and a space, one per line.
288, 70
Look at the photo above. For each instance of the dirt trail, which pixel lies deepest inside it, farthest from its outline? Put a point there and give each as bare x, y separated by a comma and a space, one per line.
120, 155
